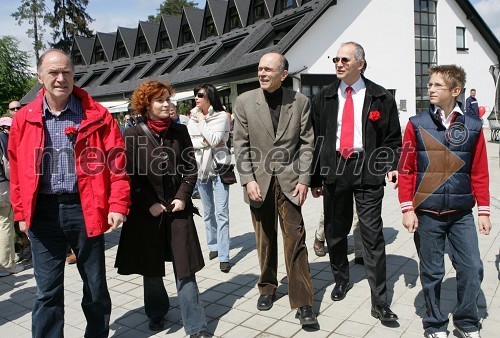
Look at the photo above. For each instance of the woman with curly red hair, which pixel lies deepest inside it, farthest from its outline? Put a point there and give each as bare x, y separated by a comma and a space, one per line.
160, 226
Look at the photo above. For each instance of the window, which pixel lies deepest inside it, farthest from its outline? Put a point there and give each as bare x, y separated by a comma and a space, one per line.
210, 27
133, 71
223, 51
142, 46
121, 52
99, 55
93, 78
186, 35
234, 18
461, 39
113, 75
259, 10
77, 58
164, 41
425, 48
279, 32
285, 4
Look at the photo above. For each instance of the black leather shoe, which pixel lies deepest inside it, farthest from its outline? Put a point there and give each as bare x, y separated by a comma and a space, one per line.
384, 313
359, 260
201, 334
340, 290
225, 267
265, 302
213, 254
306, 316
156, 323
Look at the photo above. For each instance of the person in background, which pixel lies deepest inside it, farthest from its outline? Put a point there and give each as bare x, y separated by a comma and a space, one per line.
268, 119
438, 209
471, 104
8, 264
355, 123
60, 202
209, 130
160, 225
14, 106
177, 118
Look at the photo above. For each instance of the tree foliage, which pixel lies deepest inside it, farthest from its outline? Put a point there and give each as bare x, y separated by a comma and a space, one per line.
171, 7
15, 76
34, 12
68, 20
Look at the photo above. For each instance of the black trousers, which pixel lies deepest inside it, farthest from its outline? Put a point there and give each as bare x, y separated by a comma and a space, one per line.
338, 206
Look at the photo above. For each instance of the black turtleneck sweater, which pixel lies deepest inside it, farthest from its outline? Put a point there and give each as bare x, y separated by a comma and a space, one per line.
274, 100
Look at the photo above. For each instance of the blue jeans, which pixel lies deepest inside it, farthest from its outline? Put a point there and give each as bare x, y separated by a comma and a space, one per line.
430, 238
156, 302
215, 199
54, 226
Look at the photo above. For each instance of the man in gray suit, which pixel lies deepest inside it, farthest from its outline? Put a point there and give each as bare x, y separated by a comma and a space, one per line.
273, 141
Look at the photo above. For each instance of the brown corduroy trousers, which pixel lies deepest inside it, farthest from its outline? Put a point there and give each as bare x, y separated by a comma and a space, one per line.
265, 221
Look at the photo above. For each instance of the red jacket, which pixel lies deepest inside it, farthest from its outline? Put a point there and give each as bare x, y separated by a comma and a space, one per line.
99, 156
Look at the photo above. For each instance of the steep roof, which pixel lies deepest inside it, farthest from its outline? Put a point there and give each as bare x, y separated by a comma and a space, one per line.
128, 36
218, 10
194, 17
173, 27
85, 47
107, 42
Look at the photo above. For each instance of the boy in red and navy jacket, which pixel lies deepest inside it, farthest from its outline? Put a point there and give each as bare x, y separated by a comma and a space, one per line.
443, 171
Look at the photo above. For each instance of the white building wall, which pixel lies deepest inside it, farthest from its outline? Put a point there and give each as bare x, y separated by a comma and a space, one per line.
385, 28
476, 61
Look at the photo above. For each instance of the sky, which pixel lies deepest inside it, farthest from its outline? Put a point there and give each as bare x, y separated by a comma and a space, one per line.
111, 14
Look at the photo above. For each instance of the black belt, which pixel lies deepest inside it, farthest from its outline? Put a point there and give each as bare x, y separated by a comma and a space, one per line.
61, 198
353, 155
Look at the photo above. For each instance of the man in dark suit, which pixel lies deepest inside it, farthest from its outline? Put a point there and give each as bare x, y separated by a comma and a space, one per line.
357, 133
273, 141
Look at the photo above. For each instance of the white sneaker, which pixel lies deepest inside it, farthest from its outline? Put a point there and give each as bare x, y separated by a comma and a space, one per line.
473, 334
12, 270
436, 335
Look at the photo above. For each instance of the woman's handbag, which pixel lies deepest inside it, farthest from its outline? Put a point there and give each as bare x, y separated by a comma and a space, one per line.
226, 173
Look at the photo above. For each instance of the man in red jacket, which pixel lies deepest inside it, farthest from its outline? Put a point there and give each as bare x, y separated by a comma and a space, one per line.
68, 186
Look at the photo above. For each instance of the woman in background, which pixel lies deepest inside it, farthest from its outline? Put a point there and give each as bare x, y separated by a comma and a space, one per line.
160, 224
209, 131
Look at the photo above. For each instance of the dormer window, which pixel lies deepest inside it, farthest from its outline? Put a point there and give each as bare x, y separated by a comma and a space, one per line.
286, 4
99, 54
187, 37
259, 10
121, 52
164, 41
234, 19
77, 58
142, 46
210, 27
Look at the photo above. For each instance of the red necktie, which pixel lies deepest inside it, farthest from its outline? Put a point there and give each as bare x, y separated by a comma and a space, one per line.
347, 130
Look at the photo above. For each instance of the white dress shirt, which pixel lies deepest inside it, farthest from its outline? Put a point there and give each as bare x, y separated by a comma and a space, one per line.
446, 121
358, 99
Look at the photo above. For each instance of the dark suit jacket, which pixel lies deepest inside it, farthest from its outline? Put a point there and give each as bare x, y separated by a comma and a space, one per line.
381, 138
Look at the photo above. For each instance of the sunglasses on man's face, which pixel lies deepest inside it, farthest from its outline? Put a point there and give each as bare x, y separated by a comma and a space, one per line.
200, 95
15, 108
344, 60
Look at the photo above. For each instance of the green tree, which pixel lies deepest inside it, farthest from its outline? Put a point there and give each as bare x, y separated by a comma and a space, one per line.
16, 78
34, 12
171, 7
68, 20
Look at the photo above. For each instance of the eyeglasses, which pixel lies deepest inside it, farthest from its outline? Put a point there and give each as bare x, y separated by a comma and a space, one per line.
200, 95
15, 108
344, 60
437, 86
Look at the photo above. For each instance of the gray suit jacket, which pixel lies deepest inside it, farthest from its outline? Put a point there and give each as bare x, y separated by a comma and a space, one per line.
259, 153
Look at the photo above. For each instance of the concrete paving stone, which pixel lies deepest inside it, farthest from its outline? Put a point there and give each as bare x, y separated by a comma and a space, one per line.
363, 316
338, 311
231, 300
284, 328
378, 332
73, 332
259, 322
219, 328
215, 311
236, 316
132, 320
211, 296
242, 331
353, 329
14, 330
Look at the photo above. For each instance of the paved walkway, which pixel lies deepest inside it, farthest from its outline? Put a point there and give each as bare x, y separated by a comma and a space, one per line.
230, 299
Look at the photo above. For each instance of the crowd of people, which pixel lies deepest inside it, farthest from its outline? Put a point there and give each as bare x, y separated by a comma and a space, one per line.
142, 174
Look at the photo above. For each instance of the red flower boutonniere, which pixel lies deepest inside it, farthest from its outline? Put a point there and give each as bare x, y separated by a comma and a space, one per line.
374, 115
71, 132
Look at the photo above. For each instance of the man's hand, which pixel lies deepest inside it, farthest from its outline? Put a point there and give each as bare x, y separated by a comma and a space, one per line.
156, 209
301, 190
115, 219
392, 176
410, 221
317, 191
178, 204
23, 227
484, 225
253, 191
